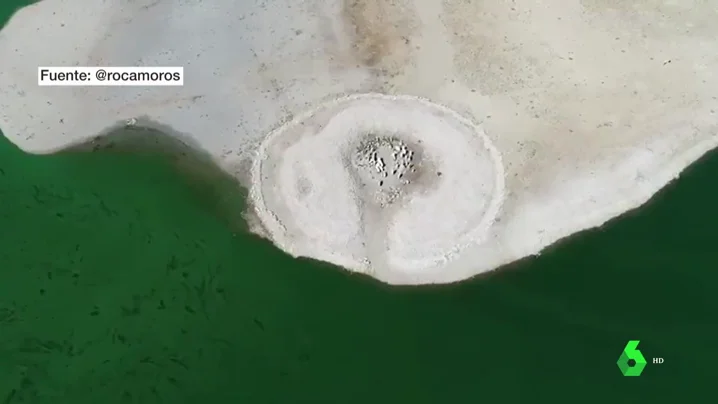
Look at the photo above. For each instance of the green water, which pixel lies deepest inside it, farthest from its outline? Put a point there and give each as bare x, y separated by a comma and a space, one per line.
123, 280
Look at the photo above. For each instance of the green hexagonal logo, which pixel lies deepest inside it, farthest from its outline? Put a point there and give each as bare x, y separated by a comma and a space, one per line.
631, 353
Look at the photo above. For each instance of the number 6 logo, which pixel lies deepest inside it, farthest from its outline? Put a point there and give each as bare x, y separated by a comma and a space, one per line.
631, 353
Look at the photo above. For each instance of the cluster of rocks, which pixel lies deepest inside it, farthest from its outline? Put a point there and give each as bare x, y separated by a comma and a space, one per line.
384, 165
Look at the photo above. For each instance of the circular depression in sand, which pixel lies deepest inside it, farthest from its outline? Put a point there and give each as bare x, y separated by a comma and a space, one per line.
378, 184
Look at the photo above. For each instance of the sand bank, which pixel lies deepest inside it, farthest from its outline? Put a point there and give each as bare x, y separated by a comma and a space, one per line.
316, 202
584, 109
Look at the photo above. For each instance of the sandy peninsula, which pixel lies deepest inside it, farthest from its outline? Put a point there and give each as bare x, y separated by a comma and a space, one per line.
413, 141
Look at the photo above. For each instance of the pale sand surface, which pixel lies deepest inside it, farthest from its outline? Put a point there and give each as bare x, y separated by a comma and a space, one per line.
329, 218
592, 106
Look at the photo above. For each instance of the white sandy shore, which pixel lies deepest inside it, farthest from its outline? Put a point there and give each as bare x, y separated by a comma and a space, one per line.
328, 221
590, 108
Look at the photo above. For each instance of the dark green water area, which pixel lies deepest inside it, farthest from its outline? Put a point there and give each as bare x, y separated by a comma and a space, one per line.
129, 278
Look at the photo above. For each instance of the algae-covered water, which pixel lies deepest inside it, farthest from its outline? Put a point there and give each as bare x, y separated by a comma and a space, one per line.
127, 278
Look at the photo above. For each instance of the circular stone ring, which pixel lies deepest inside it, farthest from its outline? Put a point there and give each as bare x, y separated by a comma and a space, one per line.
385, 185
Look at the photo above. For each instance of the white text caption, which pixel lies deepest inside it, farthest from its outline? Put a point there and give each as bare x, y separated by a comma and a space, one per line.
110, 76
